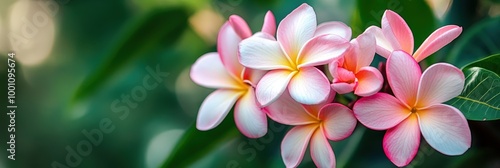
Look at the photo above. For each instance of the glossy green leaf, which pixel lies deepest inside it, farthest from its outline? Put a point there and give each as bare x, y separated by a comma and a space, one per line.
491, 63
480, 98
195, 144
416, 13
475, 43
158, 28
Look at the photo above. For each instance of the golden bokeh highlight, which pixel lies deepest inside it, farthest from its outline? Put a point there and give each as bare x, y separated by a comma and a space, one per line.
439, 7
31, 31
206, 24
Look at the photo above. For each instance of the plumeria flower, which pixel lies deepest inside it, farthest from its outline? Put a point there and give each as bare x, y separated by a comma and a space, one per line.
396, 35
292, 58
353, 72
235, 84
313, 123
417, 108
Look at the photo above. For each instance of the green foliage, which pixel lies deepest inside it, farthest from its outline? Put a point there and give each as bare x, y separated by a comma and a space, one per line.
479, 99
345, 149
462, 13
475, 43
195, 144
491, 63
155, 29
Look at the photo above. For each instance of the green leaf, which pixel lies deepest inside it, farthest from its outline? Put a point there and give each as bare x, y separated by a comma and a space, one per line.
416, 13
158, 28
345, 149
491, 63
194, 144
480, 98
475, 43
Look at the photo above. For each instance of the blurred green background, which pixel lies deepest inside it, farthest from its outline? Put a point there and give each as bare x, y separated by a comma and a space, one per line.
118, 70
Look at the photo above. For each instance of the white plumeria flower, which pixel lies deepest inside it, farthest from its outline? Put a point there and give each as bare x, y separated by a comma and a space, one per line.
234, 83
313, 123
417, 108
291, 59
353, 71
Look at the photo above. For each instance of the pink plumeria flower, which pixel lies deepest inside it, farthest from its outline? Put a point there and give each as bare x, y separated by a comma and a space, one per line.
234, 83
416, 108
396, 35
353, 72
315, 123
292, 57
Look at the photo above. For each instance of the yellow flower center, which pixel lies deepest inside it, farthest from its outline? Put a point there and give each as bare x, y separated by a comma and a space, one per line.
414, 110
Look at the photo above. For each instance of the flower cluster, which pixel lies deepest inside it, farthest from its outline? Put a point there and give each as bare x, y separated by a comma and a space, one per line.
278, 73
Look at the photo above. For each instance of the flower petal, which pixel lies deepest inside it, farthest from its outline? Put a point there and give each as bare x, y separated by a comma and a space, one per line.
445, 129
262, 53
264, 35
380, 111
250, 119
294, 144
343, 87
334, 66
440, 83
370, 81
337, 28
287, 111
309, 86
240, 26
345, 75
403, 75
338, 121
437, 40
322, 50
365, 45
350, 57
296, 29
227, 47
397, 31
215, 108
252, 76
361, 52
269, 25
208, 71
272, 85
384, 47
315, 108
401, 142
321, 151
